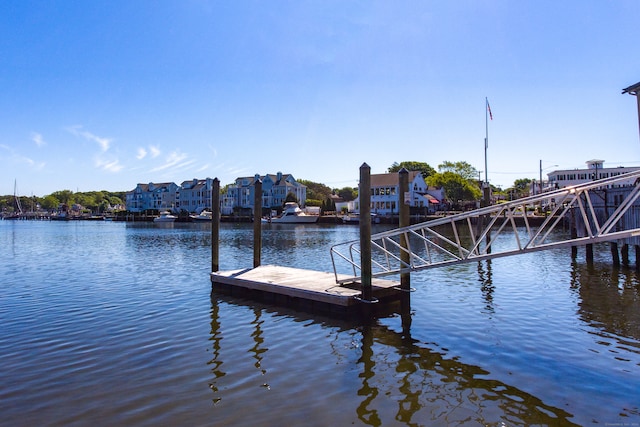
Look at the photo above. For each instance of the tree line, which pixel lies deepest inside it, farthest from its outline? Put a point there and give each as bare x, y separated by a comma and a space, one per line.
95, 201
460, 181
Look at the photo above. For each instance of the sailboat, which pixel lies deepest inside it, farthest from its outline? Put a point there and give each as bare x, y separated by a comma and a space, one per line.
17, 214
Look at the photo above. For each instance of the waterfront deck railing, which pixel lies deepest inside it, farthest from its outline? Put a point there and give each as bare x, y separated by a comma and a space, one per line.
598, 211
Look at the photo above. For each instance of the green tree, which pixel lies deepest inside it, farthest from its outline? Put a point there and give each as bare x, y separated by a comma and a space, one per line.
424, 168
328, 205
86, 200
520, 188
64, 196
522, 184
347, 193
456, 187
50, 202
316, 191
114, 200
463, 169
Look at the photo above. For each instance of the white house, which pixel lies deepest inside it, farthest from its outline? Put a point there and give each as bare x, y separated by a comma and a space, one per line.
385, 197
159, 196
595, 170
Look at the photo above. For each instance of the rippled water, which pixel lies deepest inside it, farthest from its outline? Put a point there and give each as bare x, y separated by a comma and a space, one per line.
114, 324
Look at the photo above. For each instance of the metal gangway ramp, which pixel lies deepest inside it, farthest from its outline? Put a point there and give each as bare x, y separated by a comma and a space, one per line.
597, 211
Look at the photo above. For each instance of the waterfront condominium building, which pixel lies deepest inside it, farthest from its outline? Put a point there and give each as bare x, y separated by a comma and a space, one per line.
275, 189
195, 195
158, 196
595, 170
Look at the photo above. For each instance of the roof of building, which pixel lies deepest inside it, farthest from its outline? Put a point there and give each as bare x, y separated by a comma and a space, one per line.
632, 90
274, 177
390, 179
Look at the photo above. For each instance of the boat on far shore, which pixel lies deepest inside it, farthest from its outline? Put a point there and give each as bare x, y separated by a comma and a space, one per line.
165, 217
202, 217
292, 214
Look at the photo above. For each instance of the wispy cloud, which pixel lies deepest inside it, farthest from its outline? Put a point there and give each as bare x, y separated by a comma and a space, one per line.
152, 151
142, 153
174, 158
109, 165
155, 151
37, 138
104, 143
16, 157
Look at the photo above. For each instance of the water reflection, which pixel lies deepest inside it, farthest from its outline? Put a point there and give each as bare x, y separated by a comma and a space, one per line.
609, 298
399, 378
485, 276
216, 361
366, 410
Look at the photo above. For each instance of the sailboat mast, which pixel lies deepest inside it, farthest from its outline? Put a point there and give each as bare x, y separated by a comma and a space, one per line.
15, 196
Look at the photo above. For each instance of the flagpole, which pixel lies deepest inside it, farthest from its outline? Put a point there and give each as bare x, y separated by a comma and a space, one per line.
486, 140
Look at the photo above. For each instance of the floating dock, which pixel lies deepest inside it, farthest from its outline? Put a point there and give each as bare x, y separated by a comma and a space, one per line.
300, 287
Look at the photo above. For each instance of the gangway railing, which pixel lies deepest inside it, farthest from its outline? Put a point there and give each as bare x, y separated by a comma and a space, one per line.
589, 209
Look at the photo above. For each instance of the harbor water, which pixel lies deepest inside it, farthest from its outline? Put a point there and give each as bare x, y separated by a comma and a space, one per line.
112, 323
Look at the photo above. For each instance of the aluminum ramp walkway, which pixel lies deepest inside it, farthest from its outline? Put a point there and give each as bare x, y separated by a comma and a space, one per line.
598, 211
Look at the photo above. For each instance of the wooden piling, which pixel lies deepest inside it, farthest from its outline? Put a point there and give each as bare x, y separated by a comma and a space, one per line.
257, 222
405, 257
574, 234
364, 193
615, 255
215, 225
624, 253
589, 253
404, 221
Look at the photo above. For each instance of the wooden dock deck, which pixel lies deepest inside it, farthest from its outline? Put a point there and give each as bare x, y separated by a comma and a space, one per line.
304, 285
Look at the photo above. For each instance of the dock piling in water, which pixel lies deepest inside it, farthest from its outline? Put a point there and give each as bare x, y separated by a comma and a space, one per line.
364, 193
215, 225
404, 221
257, 222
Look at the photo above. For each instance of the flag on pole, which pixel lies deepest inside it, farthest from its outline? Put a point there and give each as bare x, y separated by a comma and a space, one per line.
489, 109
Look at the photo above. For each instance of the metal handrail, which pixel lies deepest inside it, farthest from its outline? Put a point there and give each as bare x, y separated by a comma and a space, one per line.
468, 236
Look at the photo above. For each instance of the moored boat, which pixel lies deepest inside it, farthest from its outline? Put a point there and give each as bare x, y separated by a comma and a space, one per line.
292, 214
202, 216
165, 217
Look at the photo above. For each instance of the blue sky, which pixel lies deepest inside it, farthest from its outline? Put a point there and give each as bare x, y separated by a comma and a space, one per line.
104, 95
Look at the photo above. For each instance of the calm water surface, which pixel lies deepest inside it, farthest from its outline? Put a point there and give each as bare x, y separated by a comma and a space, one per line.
114, 324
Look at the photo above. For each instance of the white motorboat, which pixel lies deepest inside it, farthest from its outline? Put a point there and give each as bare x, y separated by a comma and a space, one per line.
202, 217
351, 218
292, 214
165, 217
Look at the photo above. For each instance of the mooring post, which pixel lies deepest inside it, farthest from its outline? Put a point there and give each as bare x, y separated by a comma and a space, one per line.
364, 193
624, 254
573, 230
215, 225
404, 220
589, 253
615, 255
257, 222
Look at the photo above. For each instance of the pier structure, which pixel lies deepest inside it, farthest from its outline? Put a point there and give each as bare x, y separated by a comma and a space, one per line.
366, 271
306, 289
580, 215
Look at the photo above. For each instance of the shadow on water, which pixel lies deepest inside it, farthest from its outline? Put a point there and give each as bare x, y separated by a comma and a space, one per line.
609, 299
396, 378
